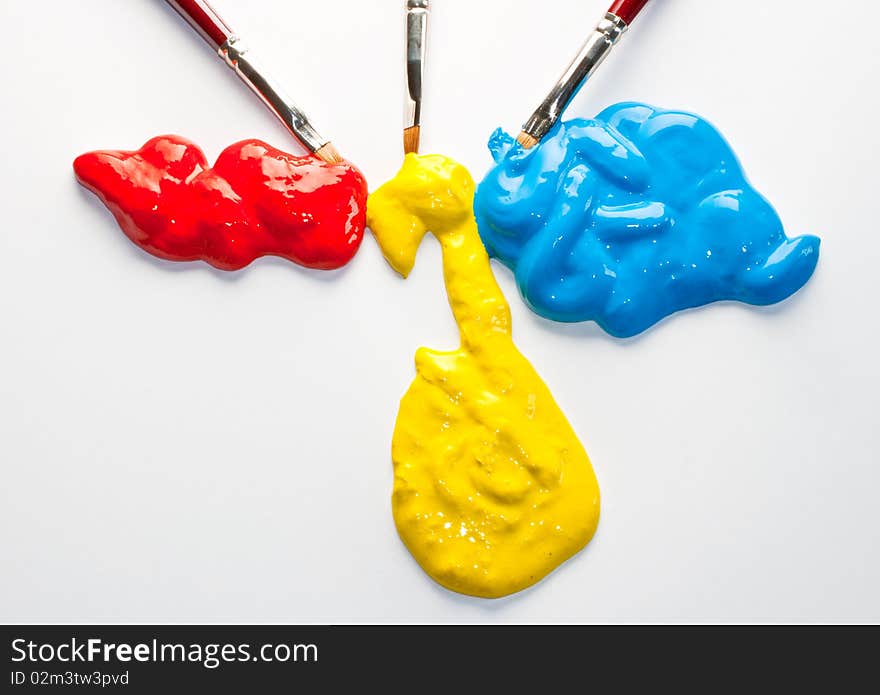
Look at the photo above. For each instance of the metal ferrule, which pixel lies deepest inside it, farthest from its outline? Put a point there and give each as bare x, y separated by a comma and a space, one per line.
594, 51
416, 45
240, 59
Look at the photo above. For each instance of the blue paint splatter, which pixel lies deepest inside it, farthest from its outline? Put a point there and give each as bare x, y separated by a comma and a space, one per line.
631, 216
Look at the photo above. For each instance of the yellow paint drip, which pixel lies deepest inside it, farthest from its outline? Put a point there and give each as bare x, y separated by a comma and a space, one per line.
492, 489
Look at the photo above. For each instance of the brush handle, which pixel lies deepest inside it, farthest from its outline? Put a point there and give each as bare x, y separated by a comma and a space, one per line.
627, 9
416, 46
596, 48
202, 17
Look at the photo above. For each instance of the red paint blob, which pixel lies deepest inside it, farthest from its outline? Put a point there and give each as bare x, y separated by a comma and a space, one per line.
255, 201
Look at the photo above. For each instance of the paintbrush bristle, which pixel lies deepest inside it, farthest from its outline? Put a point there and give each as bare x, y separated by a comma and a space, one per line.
411, 139
329, 154
526, 140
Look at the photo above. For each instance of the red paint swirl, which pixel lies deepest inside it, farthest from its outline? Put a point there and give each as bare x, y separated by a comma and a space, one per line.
255, 201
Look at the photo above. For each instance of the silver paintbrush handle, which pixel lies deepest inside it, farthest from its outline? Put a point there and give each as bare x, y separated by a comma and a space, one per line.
241, 60
416, 46
594, 51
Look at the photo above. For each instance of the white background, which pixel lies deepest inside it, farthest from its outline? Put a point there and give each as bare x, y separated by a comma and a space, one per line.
181, 444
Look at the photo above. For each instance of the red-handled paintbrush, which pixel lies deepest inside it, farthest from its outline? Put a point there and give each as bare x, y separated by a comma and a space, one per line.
205, 20
627, 9
597, 47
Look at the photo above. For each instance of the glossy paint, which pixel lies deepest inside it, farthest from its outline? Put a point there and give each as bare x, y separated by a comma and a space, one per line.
632, 216
255, 201
492, 489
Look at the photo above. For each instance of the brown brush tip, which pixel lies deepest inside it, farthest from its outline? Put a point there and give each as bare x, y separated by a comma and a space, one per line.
526, 140
411, 139
329, 154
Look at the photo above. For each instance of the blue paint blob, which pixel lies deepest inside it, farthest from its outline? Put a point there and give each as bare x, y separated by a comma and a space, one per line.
631, 216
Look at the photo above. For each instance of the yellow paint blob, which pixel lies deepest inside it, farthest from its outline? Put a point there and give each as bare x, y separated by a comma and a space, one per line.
492, 489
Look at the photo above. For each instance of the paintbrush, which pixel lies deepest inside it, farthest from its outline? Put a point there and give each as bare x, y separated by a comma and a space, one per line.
596, 48
205, 20
416, 45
